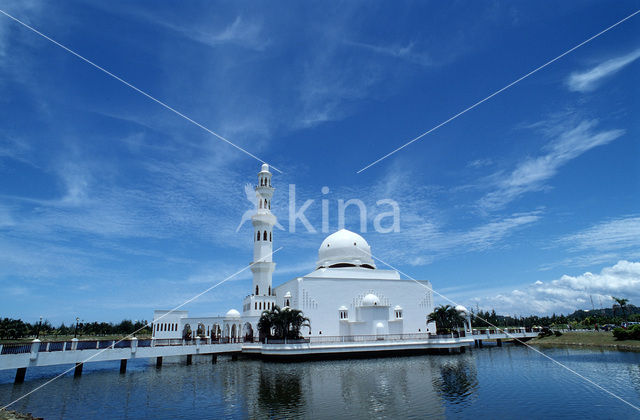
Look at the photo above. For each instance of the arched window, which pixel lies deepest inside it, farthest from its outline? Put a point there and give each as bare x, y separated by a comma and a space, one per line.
269, 290
257, 289
258, 236
269, 236
256, 304
260, 204
265, 203
264, 237
286, 303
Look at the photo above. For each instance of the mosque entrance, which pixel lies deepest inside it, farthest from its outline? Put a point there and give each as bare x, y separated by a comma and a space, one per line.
247, 332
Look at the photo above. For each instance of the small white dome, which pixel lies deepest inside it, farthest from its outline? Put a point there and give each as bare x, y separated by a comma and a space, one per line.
345, 249
232, 314
397, 308
462, 309
265, 167
370, 300
287, 295
343, 308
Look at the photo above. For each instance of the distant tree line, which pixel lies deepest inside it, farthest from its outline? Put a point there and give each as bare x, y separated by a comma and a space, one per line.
16, 328
615, 315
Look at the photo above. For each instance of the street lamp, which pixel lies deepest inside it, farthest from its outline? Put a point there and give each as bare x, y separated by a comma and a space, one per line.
75, 334
39, 326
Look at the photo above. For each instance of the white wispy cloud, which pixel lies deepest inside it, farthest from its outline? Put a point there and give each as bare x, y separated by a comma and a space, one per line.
427, 226
589, 80
406, 52
603, 242
614, 234
568, 293
532, 173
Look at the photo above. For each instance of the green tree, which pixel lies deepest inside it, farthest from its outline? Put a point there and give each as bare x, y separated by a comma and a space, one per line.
282, 323
623, 305
446, 318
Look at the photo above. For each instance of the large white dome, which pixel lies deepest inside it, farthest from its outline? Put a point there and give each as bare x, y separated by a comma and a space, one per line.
345, 249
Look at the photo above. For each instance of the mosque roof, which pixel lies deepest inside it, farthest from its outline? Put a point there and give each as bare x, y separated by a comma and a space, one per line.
345, 249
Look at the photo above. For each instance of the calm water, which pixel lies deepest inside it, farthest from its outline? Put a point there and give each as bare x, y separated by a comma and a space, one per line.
508, 382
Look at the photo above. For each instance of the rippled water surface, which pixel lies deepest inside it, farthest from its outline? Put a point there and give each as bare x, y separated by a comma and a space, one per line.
507, 382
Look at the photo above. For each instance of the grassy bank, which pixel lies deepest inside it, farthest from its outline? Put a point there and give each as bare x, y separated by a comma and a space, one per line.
14, 415
588, 339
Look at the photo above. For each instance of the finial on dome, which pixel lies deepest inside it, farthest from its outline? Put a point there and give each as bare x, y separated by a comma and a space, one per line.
265, 167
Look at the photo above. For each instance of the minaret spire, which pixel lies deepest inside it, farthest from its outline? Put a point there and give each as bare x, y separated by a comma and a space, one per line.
261, 297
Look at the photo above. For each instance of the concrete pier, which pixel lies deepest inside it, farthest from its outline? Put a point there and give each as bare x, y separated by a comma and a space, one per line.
78, 370
20, 374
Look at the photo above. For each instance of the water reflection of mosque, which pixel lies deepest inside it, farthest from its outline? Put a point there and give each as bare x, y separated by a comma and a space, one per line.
359, 388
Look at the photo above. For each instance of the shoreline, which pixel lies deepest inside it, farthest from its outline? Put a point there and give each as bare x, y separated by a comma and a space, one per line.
602, 340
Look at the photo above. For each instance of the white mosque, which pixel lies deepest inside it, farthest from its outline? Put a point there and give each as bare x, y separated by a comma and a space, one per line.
345, 295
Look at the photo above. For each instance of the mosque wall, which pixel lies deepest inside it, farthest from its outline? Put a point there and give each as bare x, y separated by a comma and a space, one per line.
320, 300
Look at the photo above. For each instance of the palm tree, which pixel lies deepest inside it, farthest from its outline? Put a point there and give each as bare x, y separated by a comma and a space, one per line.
295, 320
446, 318
282, 323
623, 305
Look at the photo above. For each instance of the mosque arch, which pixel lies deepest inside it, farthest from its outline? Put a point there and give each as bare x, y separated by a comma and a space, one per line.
200, 332
186, 332
264, 237
247, 332
257, 290
258, 236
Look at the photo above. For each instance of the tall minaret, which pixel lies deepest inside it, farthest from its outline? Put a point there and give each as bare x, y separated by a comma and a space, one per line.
261, 297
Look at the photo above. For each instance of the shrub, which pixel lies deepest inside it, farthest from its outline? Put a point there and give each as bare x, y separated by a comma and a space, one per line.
557, 333
620, 333
632, 333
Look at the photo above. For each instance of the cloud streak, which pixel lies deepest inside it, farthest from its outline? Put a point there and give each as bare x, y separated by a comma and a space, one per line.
532, 173
589, 80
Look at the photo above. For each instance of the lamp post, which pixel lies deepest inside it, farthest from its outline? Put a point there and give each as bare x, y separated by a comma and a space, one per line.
75, 334
39, 326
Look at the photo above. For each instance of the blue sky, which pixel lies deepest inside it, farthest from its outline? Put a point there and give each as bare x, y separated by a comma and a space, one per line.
112, 206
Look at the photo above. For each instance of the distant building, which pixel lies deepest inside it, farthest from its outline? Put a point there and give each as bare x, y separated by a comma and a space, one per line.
345, 295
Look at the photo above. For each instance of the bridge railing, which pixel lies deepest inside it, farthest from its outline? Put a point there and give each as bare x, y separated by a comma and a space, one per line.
366, 338
16, 348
